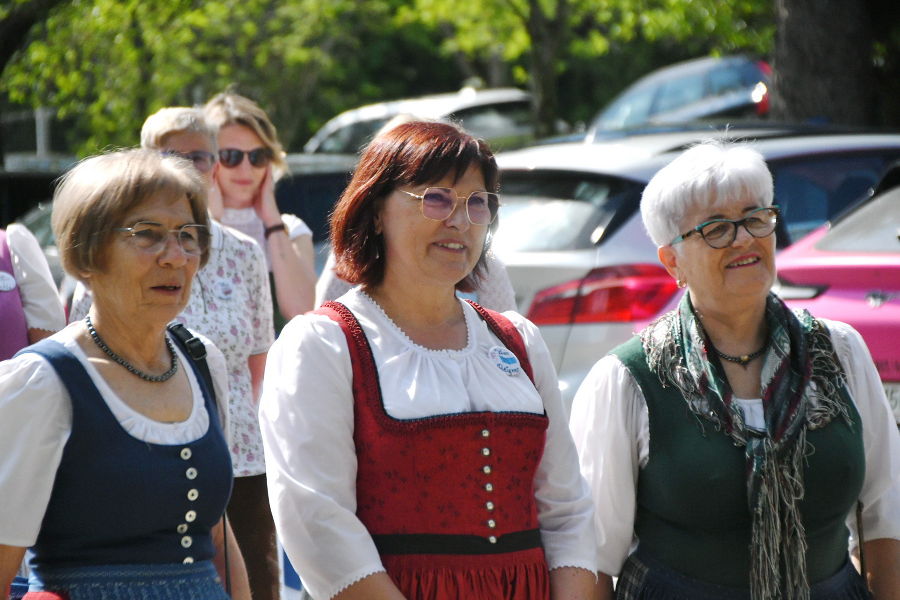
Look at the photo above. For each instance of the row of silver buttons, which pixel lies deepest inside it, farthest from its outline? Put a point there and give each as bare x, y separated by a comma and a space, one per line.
488, 487
191, 515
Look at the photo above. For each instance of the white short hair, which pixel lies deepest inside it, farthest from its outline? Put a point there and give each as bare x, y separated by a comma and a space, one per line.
706, 175
175, 119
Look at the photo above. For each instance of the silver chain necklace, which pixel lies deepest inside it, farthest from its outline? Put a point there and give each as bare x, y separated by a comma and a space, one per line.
131, 368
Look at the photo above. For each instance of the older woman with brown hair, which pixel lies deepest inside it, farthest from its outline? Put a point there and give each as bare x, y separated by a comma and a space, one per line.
729, 445
114, 469
416, 443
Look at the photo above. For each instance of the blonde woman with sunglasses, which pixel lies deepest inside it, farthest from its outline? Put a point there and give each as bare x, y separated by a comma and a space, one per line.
251, 160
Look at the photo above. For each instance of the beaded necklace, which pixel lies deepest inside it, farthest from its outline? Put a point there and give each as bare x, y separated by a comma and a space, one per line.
131, 368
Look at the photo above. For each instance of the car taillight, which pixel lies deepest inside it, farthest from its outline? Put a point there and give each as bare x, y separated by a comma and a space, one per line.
618, 293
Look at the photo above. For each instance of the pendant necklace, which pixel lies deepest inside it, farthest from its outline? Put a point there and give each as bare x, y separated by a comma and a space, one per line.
131, 368
743, 359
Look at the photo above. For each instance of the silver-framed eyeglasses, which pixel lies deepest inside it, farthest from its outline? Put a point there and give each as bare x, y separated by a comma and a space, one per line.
150, 236
721, 233
438, 203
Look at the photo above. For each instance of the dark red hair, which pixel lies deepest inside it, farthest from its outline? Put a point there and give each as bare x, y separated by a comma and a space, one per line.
415, 153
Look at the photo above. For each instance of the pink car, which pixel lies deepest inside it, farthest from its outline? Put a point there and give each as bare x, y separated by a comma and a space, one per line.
850, 271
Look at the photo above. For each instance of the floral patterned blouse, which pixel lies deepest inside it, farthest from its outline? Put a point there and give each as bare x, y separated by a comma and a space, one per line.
231, 304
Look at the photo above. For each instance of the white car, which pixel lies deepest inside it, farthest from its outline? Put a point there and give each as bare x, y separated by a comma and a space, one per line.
502, 116
571, 234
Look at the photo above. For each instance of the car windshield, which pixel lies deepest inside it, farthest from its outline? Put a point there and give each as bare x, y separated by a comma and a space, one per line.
873, 227
561, 211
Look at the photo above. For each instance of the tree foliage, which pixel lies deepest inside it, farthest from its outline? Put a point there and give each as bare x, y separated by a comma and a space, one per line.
106, 64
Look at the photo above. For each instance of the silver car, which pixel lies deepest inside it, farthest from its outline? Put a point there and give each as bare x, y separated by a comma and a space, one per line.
583, 267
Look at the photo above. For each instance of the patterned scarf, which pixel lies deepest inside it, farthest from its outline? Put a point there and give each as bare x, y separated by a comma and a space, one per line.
803, 389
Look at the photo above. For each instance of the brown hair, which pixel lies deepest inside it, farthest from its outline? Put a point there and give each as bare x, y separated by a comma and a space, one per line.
232, 109
412, 153
99, 191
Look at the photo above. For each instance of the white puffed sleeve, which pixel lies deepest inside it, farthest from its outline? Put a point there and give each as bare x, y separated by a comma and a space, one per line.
35, 420
565, 510
880, 494
609, 423
495, 290
40, 299
329, 286
306, 418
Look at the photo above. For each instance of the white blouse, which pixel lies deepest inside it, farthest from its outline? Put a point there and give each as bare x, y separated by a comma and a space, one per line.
36, 419
610, 425
40, 299
307, 424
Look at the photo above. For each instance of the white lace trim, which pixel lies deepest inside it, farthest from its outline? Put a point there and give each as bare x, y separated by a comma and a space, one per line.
470, 336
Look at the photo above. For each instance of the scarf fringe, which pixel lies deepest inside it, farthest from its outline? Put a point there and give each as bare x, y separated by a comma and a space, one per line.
675, 351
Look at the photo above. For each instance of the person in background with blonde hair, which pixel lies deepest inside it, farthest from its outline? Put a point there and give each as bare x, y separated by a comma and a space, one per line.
251, 160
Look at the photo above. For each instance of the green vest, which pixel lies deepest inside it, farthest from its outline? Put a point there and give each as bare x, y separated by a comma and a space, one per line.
692, 512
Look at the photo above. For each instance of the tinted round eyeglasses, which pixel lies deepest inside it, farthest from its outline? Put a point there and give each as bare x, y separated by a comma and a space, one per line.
258, 157
152, 237
203, 161
721, 233
438, 203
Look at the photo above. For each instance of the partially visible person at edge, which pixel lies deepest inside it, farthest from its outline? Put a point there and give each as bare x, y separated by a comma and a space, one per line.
732, 440
416, 444
230, 304
492, 290
251, 160
30, 309
114, 469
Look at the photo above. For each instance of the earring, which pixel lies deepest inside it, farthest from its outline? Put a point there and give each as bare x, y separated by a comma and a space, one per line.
681, 283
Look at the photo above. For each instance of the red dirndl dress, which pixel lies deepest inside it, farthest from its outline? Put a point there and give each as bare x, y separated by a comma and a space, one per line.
449, 499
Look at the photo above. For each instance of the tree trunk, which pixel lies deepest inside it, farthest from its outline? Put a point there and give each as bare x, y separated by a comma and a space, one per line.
15, 26
823, 68
547, 37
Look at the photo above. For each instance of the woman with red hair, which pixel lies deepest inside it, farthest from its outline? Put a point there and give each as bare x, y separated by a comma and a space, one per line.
417, 445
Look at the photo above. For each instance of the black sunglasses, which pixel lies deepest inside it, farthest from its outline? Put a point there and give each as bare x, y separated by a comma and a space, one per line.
232, 157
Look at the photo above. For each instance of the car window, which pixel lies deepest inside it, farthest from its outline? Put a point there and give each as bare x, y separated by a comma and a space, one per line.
350, 139
505, 125
679, 92
561, 211
724, 79
812, 190
631, 109
873, 227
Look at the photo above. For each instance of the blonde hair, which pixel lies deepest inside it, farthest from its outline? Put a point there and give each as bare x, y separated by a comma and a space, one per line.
232, 109
96, 194
175, 119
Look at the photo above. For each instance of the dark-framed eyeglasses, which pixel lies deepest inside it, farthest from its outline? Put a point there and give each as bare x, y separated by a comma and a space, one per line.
203, 161
438, 203
152, 237
258, 157
721, 233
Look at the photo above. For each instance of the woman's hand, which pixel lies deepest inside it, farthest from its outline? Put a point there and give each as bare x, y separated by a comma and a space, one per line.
264, 201
883, 566
10, 559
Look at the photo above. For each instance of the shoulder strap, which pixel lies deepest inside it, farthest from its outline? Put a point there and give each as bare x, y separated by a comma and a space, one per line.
504, 329
193, 347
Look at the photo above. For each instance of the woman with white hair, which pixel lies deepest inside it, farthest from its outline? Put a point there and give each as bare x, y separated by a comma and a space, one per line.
728, 445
